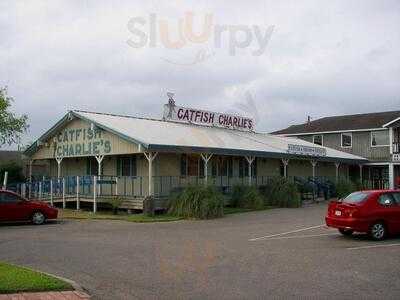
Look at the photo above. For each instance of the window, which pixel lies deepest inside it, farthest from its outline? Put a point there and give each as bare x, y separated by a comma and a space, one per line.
347, 140
386, 200
380, 138
356, 197
396, 197
222, 166
244, 168
92, 166
8, 198
190, 165
126, 166
225, 166
318, 139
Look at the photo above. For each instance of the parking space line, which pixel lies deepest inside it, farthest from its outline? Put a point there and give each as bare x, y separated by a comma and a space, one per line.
373, 246
303, 236
284, 233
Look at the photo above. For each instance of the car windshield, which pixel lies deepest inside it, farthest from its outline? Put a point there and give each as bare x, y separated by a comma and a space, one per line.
356, 197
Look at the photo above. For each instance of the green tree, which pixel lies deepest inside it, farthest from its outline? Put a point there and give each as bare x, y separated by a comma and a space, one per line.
11, 126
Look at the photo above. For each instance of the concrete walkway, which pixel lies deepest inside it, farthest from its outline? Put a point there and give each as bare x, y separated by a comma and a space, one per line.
68, 295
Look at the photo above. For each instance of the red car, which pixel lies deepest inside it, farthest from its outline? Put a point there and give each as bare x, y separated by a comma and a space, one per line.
15, 208
374, 212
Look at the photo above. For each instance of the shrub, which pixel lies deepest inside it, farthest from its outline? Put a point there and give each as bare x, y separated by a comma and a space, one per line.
281, 193
245, 196
344, 188
197, 201
115, 203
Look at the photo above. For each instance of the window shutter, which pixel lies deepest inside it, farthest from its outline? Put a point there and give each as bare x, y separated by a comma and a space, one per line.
254, 168
241, 171
118, 166
230, 167
183, 165
214, 167
134, 166
201, 167
88, 166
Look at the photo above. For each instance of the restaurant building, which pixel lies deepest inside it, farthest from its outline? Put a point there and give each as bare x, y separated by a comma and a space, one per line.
144, 156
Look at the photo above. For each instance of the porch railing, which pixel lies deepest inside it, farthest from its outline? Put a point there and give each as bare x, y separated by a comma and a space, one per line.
137, 186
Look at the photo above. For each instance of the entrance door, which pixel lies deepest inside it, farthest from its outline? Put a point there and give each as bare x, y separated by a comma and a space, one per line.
397, 176
380, 177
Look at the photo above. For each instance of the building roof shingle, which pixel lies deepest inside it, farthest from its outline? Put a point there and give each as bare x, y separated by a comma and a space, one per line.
343, 123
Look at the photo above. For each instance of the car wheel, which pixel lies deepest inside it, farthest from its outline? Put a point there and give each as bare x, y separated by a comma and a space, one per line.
378, 231
346, 232
38, 218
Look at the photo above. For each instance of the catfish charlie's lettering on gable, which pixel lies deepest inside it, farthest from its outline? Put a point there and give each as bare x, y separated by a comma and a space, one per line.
81, 142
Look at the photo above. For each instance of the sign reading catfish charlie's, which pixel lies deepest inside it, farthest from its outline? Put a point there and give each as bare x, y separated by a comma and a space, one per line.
81, 142
203, 117
306, 150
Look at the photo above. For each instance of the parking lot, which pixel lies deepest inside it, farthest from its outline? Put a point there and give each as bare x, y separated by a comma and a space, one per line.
279, 253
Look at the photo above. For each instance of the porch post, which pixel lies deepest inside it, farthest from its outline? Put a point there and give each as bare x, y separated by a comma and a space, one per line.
59, 160
5, 180
99, 159
51, 192
250, 160
63, 193
205, 157
40, 190
30, 178
94, 194
150, 156
337, 165
314, 165
77, 193
285, 162
391, 139
361, 173
391, 176
30, 170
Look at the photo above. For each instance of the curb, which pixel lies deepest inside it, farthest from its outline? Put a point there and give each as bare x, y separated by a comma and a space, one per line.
77, 287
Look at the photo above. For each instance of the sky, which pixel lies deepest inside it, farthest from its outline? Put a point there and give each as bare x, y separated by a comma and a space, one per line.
275, 61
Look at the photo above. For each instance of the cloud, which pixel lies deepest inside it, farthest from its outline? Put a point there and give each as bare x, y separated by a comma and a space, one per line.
322, 59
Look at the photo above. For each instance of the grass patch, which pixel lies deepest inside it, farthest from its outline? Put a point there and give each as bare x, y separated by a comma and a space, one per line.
108, 215
15, 279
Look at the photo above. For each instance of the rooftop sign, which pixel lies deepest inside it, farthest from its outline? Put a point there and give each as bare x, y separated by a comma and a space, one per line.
306, 150
208, 118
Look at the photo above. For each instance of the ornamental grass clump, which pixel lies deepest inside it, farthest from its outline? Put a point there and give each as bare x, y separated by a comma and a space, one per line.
115, 203
345, 188
244, 196
280, 192
197, 202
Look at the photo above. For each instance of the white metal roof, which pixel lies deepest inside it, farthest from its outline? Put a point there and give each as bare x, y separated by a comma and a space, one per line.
160, 135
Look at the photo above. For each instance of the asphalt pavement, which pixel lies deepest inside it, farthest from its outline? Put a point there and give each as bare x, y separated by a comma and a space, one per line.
278, 253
